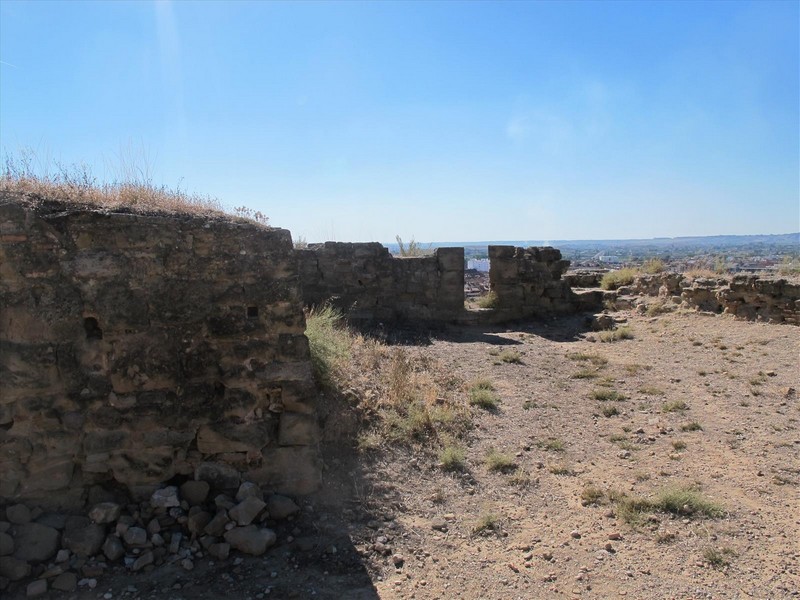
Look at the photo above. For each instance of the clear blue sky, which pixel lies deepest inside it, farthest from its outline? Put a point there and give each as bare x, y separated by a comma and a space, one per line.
443, 121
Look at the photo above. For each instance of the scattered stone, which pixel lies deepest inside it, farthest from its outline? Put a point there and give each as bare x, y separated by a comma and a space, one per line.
157, 540
246, 511
135, 537
105, 512
36, 588
165, 497
153, 527
610, 548
216, 526
250, 539
615, 536
220, 551
575, 534
63, 555
35, 542
398, 560
66, 582
249, 490
14, 568
85, 541
113, 548
140, 563
18, 514
6, 544
439, 524
281, 507
197, 521
195, 492
175, 543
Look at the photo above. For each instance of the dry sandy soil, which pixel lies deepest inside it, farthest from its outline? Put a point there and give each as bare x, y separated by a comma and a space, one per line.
370, 533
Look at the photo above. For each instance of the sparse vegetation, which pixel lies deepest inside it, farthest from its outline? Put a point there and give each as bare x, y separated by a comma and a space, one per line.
490, 300
585, 374
511, 357
610, 411
133, 189
329, 342
674, 406
486, 522
718, 558
652, 391
551, 445
653, 266
692, 426
606, 394
482, 394
498, 461
615, 279
413, 248
614, 335
592, 495
452, 458
679, 445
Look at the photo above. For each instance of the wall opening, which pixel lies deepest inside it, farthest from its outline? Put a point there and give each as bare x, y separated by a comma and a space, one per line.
93, 331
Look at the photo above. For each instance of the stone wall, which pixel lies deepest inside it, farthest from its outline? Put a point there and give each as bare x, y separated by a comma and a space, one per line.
136, 348
744, 296
372, 286
528, 282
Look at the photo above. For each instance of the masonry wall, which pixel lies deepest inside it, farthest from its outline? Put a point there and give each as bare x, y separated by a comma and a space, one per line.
745, 296
134, 349
528, 282
370, 285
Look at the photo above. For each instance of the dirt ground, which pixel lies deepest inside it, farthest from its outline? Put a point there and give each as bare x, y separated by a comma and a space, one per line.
709, 404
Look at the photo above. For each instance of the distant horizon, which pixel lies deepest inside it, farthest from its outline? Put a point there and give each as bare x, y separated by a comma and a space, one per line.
573, 241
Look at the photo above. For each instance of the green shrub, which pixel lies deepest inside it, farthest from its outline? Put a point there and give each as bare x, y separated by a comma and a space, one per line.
484, 398
511, 357
497, 461
615, 279
653, 266
605, 394
328, 341
490, 300
674, 406
453, 458
621, 333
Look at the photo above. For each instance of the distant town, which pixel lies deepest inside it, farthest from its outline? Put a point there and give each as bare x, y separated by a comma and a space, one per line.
765, 254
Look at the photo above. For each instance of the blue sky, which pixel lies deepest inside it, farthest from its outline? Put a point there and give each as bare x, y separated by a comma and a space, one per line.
442, 121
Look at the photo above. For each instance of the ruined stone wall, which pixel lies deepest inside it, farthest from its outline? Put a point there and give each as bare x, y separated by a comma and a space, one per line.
744, 296
370, 285
528, 282
136, 348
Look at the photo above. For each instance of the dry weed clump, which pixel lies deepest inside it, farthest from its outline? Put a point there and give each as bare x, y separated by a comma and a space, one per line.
615, 279
406, 399
133, 192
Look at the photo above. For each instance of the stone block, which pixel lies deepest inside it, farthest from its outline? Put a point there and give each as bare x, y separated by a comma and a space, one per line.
297, 429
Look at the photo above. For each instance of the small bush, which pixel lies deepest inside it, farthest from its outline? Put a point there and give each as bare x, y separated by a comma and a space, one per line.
490, 300
686, 501
413, 248
621, 333
592, 495
692, 426
718, 558
679, 445
610, 411
328, 342
483, 398
615, 279
497, 461
605, 394
487, 522
653, 266
651, 391
453, 458
511, 357
595, 359
674, 406
562, 470
551, 445
585, 374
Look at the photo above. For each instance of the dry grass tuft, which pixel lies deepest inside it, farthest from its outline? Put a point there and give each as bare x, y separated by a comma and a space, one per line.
134, 191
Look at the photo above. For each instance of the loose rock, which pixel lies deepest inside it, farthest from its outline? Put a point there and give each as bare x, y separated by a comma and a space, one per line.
105, 512
195, 492
35, 542
281, 507
246, 511
18, 514
66, 582
251, 539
